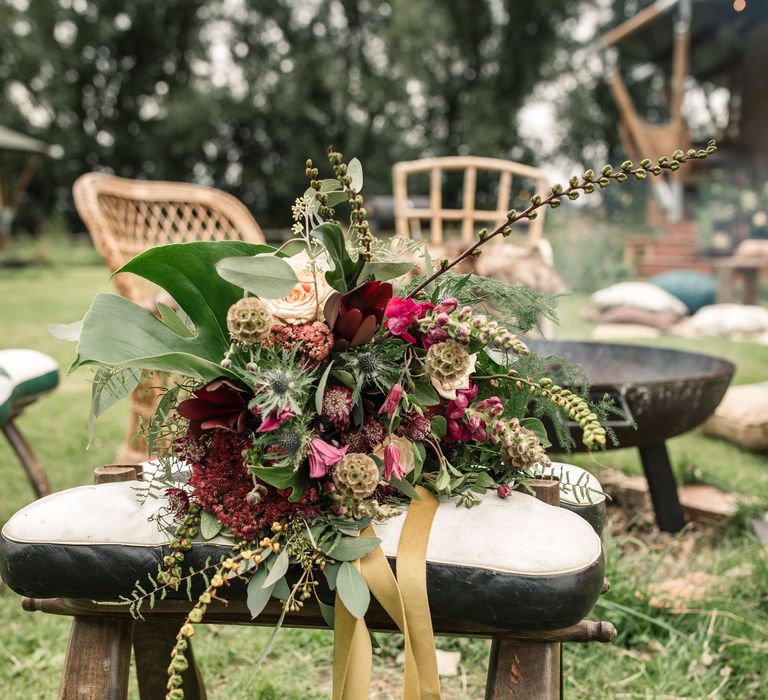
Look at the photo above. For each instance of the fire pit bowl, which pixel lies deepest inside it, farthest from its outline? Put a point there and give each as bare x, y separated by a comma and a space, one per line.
665, 392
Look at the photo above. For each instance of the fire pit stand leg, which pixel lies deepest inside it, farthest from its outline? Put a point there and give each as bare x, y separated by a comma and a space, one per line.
663, 487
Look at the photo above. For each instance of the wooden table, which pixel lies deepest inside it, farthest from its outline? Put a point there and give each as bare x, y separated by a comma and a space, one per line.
748, 268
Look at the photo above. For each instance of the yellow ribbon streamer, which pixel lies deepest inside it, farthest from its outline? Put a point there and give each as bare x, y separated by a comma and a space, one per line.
405, 601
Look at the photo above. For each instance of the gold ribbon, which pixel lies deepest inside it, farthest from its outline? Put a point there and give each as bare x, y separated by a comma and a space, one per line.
405, 601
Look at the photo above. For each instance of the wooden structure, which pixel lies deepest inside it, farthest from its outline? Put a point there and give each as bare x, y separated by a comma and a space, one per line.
408, 218
10, 195
710, 43
126, 217
524, 664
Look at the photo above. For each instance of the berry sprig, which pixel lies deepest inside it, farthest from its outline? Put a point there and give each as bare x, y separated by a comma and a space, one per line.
358, 216
588, 183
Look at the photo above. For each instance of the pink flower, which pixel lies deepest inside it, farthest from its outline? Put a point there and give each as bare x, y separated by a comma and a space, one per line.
458, 406
401, 315
274, 419
322, 455
392, 401
393, 467
504, 490
492, 405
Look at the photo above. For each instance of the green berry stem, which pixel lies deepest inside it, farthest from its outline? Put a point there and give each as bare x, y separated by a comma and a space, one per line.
588, 183
358, 217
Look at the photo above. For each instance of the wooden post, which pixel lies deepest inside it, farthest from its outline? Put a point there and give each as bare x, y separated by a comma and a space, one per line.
527, 670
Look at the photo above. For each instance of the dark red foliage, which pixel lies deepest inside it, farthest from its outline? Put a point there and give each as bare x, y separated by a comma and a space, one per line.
358, 314
219, 404
222, 483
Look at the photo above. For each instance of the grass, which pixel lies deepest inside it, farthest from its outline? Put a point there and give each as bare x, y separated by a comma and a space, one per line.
715, 648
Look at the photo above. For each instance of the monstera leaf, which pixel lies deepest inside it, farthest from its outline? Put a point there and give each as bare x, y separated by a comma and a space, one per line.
118, 333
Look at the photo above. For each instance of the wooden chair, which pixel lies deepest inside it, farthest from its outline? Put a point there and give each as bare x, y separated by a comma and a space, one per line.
126, 217
408, 218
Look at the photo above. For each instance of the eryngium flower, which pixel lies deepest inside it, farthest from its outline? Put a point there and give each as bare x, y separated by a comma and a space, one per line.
249, 321
356, 476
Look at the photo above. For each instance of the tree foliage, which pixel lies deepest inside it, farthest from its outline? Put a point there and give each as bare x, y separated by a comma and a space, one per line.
238, 94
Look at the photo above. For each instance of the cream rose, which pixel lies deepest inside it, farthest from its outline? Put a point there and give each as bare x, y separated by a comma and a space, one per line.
448, 388
405, 446
306, 300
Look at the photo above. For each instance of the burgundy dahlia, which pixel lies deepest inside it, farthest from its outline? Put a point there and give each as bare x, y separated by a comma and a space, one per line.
357, 315
219, 404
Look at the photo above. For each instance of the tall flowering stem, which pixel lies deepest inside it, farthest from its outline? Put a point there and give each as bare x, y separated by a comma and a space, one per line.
359, 217
588, 183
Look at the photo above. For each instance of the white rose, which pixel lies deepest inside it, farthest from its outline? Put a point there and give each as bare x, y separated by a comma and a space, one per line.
448, 389
306, 300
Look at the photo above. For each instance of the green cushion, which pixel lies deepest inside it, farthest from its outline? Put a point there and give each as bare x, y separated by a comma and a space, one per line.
24, 375
694, 289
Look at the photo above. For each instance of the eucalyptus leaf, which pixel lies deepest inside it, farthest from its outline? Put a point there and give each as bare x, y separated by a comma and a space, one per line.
405, 487
351, 548
327, 612
321, 388
66, 331
257, 596
283, 478
281, 589
171, 319
209, 525
538, 429
439, 426
352, 589
334, 198
384, 271
331, 572
265, 276
346, 378
355, 171
278, 569
424, 393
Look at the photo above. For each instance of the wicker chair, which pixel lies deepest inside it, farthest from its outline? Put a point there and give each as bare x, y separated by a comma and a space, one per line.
408, 218
126, 217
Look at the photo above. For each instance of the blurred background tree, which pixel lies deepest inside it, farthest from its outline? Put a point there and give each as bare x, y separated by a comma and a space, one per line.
237, 93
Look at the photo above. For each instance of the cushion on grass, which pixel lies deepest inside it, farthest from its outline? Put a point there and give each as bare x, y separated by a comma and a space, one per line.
642, 317
24, 375
742, 417
737, 320
513, 562
694, 289
640, 295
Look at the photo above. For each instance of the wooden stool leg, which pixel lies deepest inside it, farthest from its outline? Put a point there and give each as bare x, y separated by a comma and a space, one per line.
152, 644
98, 659
524, 670
35, 472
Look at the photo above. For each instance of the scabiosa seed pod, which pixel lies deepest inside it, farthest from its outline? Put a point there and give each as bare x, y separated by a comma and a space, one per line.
356, 476
447, 361
337, 406
249, 321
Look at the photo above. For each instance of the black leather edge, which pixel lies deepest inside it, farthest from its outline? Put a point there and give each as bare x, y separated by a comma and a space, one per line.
593, 513
468, 594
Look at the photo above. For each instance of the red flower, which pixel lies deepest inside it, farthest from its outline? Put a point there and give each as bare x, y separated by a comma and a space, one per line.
357, 315
218, 404
504, 491
401, 315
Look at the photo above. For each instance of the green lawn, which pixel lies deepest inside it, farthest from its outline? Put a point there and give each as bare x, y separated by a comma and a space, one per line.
715, 650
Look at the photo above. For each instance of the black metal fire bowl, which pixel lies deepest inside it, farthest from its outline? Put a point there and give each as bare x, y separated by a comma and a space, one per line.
664, 392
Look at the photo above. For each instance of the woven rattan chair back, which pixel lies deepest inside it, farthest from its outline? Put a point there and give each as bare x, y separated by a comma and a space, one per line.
126, 217
408, 217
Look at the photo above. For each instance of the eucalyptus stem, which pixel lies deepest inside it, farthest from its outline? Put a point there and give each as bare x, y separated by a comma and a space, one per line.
587, 184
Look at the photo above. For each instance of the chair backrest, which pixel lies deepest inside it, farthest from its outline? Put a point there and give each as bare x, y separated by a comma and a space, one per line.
126, 217
408, 217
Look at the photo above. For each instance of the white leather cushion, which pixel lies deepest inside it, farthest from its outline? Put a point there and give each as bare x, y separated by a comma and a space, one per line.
742, 417
506, 563
640, 295
22, 365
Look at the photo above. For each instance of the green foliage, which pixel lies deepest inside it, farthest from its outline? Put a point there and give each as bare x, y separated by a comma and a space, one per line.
266, 276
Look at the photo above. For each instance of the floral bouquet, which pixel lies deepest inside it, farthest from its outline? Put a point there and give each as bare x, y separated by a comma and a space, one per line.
314, 389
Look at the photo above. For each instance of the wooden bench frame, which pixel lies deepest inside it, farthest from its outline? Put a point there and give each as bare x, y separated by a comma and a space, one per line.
523, 663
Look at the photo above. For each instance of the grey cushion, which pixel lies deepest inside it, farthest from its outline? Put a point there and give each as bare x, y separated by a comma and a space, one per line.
513, 562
